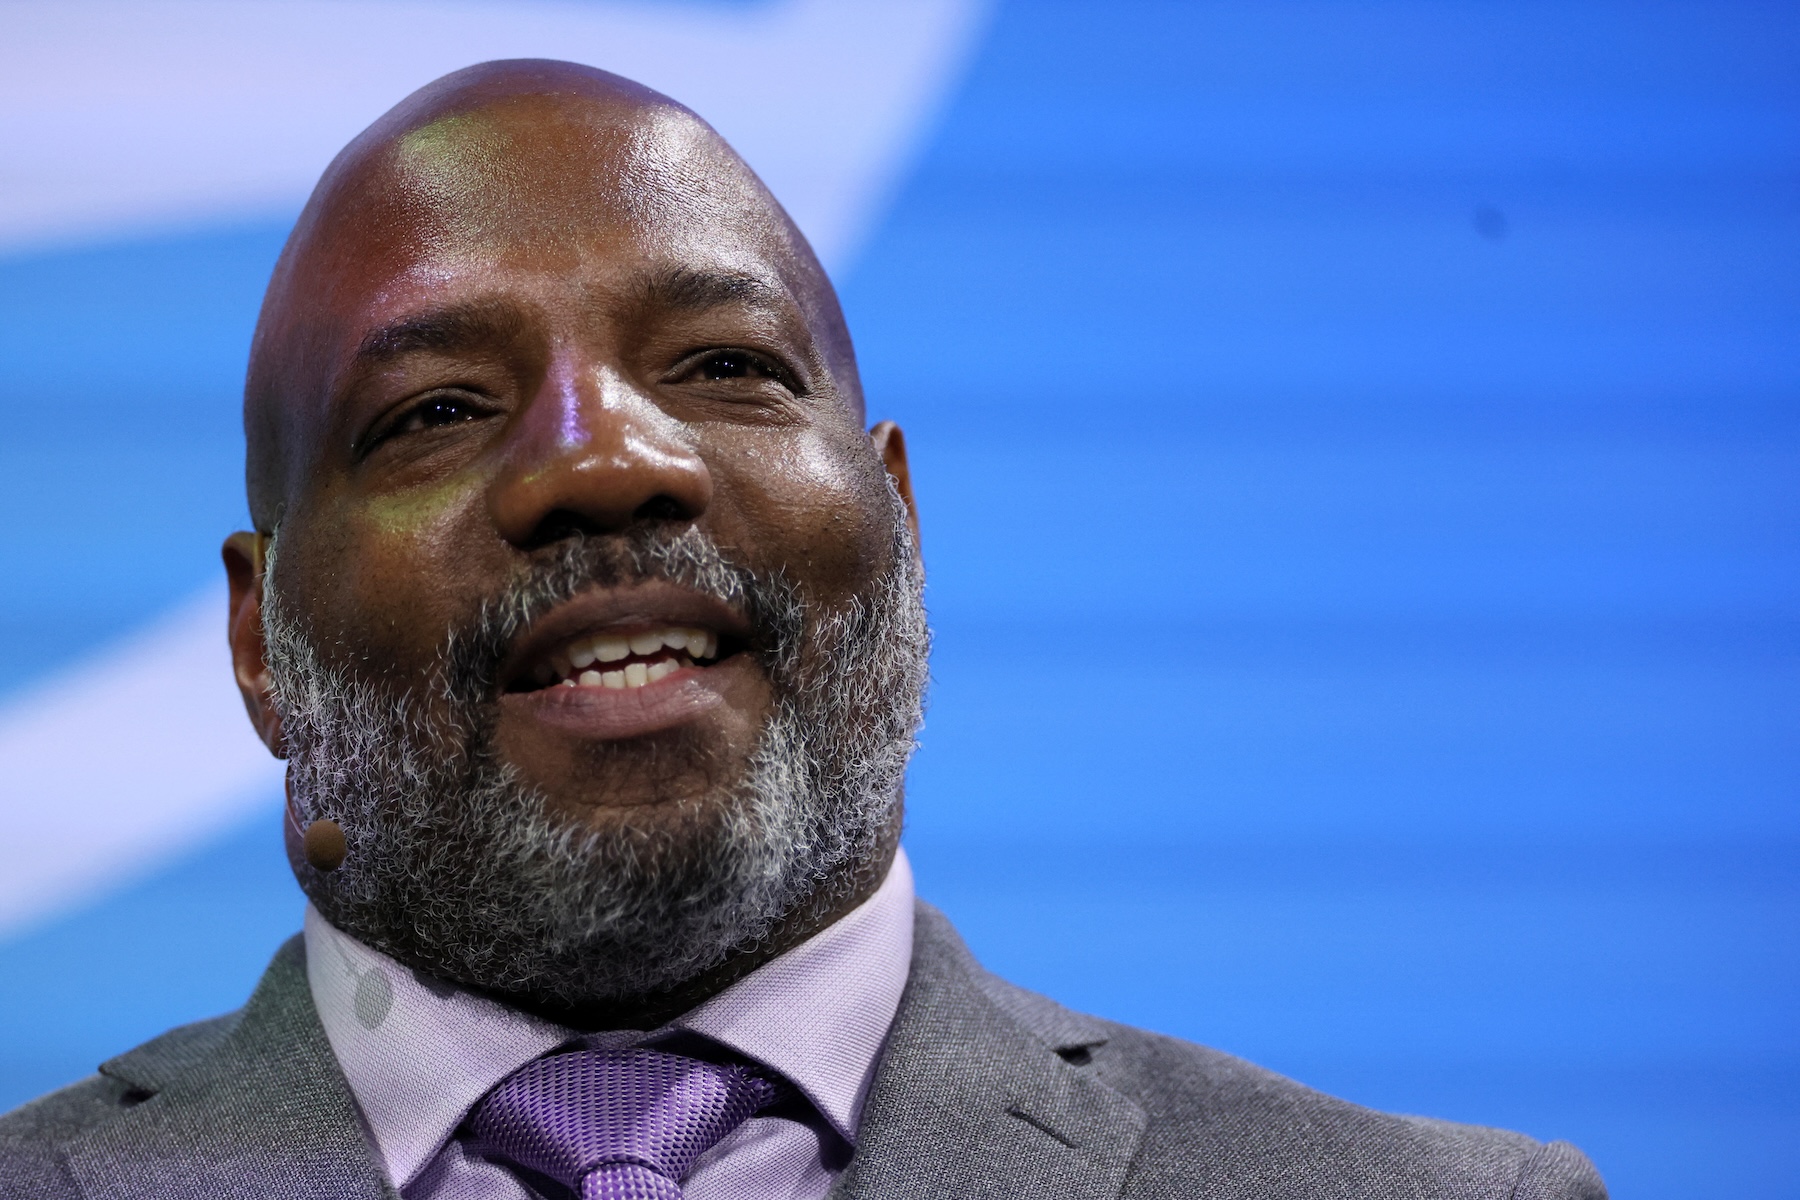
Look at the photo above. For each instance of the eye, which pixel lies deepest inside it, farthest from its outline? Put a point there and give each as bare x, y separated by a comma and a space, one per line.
431, 413
435, 412
733, 364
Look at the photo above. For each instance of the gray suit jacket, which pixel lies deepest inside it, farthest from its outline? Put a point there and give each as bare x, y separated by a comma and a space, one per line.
985, 1091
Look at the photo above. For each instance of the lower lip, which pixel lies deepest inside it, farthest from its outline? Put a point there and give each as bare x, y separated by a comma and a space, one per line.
604, 713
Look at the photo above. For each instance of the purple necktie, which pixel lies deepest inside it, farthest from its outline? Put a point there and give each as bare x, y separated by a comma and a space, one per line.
616, 1124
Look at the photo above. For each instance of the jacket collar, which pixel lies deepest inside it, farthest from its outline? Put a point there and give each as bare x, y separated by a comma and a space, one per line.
249, 1106
984, 1091
981, 1092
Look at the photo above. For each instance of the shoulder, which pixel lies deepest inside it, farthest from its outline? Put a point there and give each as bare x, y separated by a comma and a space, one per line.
37, 1140
258, 1091
33, 1137
1218, 1126
1277, 1137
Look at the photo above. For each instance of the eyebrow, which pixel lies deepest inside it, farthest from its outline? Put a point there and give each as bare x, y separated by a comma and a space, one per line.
490, 323
449, 328
684, 289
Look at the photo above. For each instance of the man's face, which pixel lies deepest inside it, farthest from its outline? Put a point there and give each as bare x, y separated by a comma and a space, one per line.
526, 354
530, 331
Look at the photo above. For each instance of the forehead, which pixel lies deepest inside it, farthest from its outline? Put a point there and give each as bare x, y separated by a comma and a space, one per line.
537, 196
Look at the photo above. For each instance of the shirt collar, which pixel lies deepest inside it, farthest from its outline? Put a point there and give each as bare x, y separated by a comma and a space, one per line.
820, 1012
418, 1053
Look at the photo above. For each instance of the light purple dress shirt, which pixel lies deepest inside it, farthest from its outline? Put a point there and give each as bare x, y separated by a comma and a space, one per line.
419, 1055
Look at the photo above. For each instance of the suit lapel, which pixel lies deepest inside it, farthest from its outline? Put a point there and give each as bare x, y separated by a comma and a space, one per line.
254, 1107
980, 1096
979, 1093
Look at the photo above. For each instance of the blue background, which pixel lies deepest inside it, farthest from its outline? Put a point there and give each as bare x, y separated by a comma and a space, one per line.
1357, 447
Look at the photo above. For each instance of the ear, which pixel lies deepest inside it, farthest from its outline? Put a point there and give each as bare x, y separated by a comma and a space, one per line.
245, 555
890, 443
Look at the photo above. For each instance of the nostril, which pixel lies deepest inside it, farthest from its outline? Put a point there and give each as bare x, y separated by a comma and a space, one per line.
563, 524
661, 508
559, 526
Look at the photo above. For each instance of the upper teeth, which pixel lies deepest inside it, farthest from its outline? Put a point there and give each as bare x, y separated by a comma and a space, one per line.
571, 661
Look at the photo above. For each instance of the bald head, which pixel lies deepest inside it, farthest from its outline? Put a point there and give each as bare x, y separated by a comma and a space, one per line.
546, 380
517, 168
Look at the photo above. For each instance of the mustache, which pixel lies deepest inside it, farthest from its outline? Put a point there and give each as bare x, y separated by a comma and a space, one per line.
770, 602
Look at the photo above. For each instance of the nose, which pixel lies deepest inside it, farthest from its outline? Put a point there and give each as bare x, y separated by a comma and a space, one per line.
592, 453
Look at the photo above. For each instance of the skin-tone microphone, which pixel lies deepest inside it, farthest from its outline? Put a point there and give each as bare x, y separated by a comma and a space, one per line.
323, 845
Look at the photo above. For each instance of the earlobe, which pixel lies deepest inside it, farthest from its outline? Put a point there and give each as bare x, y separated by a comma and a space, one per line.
890, 444
245, 556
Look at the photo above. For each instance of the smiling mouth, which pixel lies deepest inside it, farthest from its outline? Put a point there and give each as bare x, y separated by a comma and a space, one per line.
619, 661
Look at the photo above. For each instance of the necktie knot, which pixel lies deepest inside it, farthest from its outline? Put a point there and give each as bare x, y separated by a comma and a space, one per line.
616, 1124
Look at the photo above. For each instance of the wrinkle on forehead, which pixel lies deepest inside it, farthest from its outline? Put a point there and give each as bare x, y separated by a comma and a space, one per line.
533, 158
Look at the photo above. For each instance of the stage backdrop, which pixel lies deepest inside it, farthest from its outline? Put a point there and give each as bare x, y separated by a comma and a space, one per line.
1357, 449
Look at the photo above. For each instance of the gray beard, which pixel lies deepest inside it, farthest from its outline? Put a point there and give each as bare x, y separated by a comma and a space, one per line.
457, 868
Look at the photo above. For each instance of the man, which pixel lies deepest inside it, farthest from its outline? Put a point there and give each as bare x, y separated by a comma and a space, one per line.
587, 617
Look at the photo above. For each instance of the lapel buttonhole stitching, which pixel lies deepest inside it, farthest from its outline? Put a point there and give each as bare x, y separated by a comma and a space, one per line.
1013, 1110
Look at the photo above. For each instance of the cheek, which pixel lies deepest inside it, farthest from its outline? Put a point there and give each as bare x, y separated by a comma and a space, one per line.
815, 506
388, 576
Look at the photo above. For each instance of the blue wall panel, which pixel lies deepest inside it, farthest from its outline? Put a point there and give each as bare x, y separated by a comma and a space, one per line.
1357, 448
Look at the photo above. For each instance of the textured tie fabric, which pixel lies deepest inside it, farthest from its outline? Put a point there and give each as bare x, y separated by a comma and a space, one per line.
616, 1124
